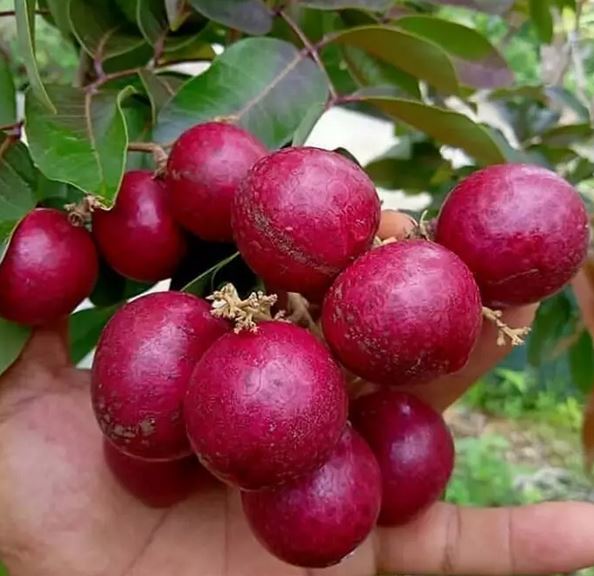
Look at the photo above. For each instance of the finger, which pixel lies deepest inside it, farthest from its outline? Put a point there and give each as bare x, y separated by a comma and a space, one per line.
394, 224
583, 288
539, 539
486, 355
48, 346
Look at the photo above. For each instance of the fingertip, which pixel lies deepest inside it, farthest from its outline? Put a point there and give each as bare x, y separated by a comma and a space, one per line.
48, 345
395, 224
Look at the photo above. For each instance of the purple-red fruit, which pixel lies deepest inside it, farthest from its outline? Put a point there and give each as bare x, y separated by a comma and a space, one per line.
265, 407
413, 447
141, 371
302, 215
138, 237
50, 267
403, 313
322, 517
158, 484
205, 167
522, 230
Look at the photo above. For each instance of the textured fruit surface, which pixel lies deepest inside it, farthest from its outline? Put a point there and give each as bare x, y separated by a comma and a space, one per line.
205, 167
141, 371
302, 215
158, 484
522, 231
322, 517
50, 267
139, 237
404, 313
265, 407
413, 447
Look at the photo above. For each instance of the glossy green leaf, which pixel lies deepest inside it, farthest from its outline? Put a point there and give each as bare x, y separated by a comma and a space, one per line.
8, 112
25, 21
542, 18
267, 85
417, 56
151, 17
101, 29
250, 16
581, 362
112, 288
85, 143
490, 6
18, 183
477, 62
308, 123
12, 341
369, 71
446, 126
205, 283
85, 327
561, 136
59, 12
176, 13
158, 89
373, 5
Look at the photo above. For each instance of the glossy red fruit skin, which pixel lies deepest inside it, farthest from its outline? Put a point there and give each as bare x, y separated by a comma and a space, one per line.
50, 267
404, 313
158, 484
302, 215
139, 237
522, 230
263, 408
205, 167
141, 371
322, 517
413, 447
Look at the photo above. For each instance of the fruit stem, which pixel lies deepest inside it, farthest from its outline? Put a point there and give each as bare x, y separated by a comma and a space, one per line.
515, 335
80, 214
226, 303
158, 152
299, 314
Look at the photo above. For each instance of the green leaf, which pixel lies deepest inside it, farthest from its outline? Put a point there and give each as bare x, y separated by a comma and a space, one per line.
85, 143
18, 182
151, 16
25, 21
305, 128
176, 13
158, 90
59, 12
112, 288
204, 284
266, 84
490, 6
369, 71
414, 55
250, 16
12, 341
561, 136
446, 126
85, 327
478, 63
102, 30
8, 112
581, 362
372, 5
540, 14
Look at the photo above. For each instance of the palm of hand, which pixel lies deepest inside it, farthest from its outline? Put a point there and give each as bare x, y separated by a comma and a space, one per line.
64, 513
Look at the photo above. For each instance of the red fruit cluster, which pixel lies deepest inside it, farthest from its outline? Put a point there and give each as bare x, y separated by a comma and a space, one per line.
264, 408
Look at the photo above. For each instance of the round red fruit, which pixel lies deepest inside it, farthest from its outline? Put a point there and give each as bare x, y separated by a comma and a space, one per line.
49, 268
403, 313
302, 215
142, 368
522, 230
322, 517
265, 407
138, 237
158, 484
205, 167
413, 447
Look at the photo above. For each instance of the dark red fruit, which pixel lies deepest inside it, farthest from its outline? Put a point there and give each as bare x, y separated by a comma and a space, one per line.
139, 237
413, 447
205, 167
142, 368
303, 215
50, 267
522, 231
158, 484
320, 518
263, 408
404, 313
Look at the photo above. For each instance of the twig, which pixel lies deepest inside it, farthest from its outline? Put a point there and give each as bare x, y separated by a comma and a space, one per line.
312, 49
104, 78
39, 12
15, 128
515, 335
